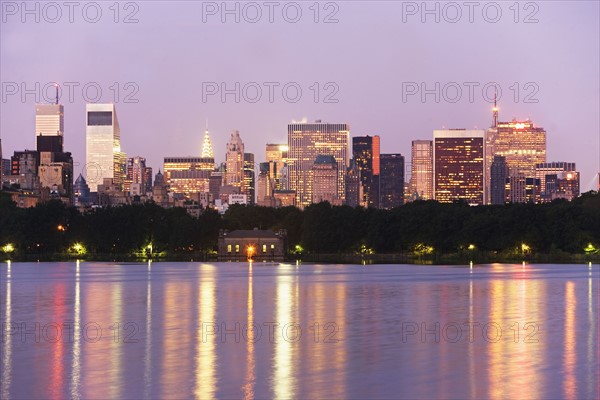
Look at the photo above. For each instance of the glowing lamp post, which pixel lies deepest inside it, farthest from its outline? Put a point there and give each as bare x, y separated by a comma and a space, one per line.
250, 250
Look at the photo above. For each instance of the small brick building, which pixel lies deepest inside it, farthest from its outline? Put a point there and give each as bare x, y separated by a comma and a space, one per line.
260, 245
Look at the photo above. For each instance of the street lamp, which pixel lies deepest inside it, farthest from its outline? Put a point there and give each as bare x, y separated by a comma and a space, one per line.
250, 252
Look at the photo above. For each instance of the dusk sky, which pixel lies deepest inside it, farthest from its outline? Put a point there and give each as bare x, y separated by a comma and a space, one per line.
368, 54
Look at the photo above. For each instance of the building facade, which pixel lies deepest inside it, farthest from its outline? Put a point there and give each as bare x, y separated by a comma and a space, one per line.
421, 179
459, 165
104, 158
498, 176
255, 245
325, 180
391, 181
366, 154
234, 159
306, 141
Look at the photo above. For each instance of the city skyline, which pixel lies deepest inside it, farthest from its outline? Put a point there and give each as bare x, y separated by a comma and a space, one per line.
566, 108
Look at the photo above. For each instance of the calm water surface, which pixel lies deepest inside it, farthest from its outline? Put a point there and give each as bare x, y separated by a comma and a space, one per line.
184, 330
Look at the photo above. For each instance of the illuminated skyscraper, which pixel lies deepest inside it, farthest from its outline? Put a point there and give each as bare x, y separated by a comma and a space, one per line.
234, 159
365, 152
188, 175
308, 140
135, 182
276, 156
104, 158
459, 165
422, 169
521, 143
207, 151
248, 187
49, 127
391, 181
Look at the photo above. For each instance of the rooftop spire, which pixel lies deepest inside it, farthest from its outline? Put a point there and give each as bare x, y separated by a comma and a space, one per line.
206, 146
495, 111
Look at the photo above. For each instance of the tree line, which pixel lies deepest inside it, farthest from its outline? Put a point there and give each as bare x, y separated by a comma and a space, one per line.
420, 226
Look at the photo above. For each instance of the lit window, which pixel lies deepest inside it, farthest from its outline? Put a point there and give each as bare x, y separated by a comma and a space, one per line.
229, 248
264, 248
272, 247
237, 248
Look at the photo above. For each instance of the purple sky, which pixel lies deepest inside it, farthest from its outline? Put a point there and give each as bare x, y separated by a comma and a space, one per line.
369, 53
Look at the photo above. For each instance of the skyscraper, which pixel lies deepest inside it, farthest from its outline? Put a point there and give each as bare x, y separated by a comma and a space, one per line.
276, 156
188, 175
422, 169
365, 152
459, 165
234, 159
522, 144
308, 140
104, 158
498, 175
391, 181
135, 182
248, 186
325, 180
49, 127
353, 187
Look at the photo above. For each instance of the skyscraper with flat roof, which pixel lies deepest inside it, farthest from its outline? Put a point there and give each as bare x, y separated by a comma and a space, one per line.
498, 176
459, 165
391, 181
366, 154
49, 127
104, 158
421, 180
306, 141
522, 144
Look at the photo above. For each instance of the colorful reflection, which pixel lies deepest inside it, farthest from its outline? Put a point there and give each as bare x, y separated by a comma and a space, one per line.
206, 343
7, 338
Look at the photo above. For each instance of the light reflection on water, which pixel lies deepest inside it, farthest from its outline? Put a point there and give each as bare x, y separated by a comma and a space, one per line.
179, 330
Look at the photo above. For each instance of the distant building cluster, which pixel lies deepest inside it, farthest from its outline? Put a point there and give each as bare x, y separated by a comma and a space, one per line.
320, 162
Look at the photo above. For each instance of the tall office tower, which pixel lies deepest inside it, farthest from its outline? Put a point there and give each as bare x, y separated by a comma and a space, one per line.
325, 180
305, 142
148, 179
104, 158
523, 145
552, 168
365, 152
135, 182
49, 127
391, 181
234, 159
353, 187
458, 165
187, 175
264, 187
276, 156
490, 138
422, 169
248, 186
498, 175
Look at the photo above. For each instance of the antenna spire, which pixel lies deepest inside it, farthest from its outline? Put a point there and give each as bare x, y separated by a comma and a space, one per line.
495, 110
56, 85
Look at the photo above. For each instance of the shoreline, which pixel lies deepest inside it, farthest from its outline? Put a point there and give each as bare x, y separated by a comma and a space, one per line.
355, 259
